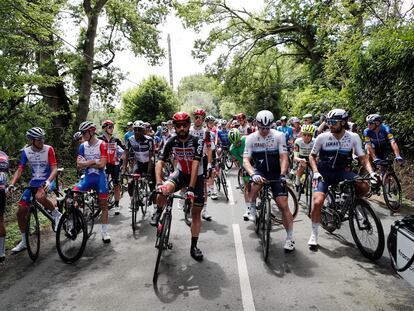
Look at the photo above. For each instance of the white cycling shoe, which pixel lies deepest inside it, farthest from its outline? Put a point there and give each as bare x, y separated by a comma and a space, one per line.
105, 237
313, 240
19, 247
289, 245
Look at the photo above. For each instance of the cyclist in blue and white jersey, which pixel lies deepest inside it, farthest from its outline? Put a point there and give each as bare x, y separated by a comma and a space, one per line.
129, 133
267, 150
286, 130
379, 140
334, 151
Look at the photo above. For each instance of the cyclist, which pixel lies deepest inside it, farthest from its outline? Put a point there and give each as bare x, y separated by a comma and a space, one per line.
4, 169
286, 130
187, 151
222, 139
296, 128
244, 128
237, 150
112, 163
379, 138
200, 132
141, 148
210, 128
170, 127
302, 149
267, 150
334, 150
92, 157
130, 131
42, 160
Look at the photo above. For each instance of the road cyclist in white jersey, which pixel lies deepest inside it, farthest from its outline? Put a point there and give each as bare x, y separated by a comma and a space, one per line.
267, 150
43, 165
210, 128
197, 130
330, 161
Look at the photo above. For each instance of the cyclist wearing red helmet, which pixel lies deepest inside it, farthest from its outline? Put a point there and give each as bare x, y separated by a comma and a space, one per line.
113, 161
187, 151
244, 128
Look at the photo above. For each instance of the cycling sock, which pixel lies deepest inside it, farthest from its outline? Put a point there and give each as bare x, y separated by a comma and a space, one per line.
23, 237
55, 213
104, 228
194, 240
315, 227
289, 234
116, 203
252, 206
2, 246
297, 180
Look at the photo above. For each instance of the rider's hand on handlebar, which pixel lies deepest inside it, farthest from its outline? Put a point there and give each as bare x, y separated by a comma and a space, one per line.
317, 176
47, 185
283, 179
162, 188
374, 177
376, 161
189, 194
258, 179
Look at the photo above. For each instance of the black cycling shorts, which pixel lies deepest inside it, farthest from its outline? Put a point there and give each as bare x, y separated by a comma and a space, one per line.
142, 168
181, 180
113, 170
278, 189
2, 202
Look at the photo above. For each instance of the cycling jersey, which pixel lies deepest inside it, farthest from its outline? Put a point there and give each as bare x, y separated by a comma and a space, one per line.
334, 154
141, 148
128, 135
111, 148
287, 131
184, 153
4, 168
303, 150
202, 134
222, 138
238, 152
40, 163
245, 130
265, 151
380, 140
93, 152
296, 132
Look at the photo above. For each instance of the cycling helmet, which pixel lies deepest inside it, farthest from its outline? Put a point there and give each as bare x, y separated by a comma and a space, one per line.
169, 122
295, 120
264, 117
223, 122
199, 112
210, 118
106, 123
235, 123
240, 116
130, 124
234, 136
373, 118
139, 124
77, 136
308, 129
283, 118
35, 133
337, 114
307, 116
181, 117
164, 129
250, 118
87, 125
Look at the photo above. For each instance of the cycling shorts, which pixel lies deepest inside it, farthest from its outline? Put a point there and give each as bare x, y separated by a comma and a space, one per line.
332, 177
26, 197
113, 170
95, 182
2, 202
181, 180
140, 168
278, 189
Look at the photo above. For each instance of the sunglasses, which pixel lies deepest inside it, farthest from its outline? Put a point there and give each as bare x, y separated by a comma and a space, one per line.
371, 123
180, 125
84, 132
332, 121
199, 117
264, 128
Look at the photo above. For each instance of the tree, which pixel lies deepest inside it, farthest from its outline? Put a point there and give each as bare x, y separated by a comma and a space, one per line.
152, 101
198, 99
228, 109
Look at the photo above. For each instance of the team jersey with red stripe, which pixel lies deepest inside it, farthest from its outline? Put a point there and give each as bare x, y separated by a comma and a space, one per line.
96, 151
40, 161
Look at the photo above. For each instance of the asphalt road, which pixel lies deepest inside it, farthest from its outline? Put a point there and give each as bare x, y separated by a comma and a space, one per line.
232, 276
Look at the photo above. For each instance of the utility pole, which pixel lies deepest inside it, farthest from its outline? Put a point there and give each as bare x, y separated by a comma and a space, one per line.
170, 61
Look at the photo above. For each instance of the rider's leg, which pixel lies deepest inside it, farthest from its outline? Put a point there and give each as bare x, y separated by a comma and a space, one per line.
2, 227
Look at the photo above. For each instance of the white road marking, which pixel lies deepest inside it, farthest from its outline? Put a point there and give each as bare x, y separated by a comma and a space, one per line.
230, 192
246, 290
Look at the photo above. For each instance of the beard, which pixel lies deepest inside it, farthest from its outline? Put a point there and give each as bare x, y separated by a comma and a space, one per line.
336, 130
182, 134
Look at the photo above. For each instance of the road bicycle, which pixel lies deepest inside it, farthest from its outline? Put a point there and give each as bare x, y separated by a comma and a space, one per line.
340, 205
305, 189
221, 177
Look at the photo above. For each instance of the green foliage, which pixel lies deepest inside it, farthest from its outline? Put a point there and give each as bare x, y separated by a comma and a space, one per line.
228, 109
199, 99
153, 101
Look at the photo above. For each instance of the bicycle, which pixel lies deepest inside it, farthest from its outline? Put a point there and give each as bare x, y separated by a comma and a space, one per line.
263, 224
221, 178
390, 186
341, 204
227, 157
305, 188
141, 196
163, 230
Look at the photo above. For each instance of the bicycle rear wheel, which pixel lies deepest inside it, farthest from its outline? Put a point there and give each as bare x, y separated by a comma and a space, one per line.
392, 193
218, 183
240, 180
88, 213
329, 216
229, 160
145, 196
366, 230
111, 194
163, 235
224, 182
71, 236
134, 207
32, 233
266, 227
292, 203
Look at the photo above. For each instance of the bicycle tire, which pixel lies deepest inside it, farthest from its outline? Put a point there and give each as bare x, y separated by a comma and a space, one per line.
187, 213
308, 193
144, 194
218, 184
240, 179
363, 210
111, 194
71, 236
393, 206
134, 208
224, 182
266, 228
228, 160
258, 217
88, 214
32, 233
162, 241
293, 206
327, 218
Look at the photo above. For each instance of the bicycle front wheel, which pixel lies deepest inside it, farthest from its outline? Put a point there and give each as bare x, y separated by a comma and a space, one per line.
293, 207
145, 196
88, 213
266, 227
240, 180
229, 160
224, 183
134, 208
391, 189
366, 230
32, 233
71, 236
163, 235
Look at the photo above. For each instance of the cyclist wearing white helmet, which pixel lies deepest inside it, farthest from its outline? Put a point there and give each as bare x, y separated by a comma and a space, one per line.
130, 131
42, 161
267, 150
330, 160
296, 128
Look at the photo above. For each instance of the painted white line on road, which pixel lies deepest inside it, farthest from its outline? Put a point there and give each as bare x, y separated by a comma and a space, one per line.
230, 192
246, 290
